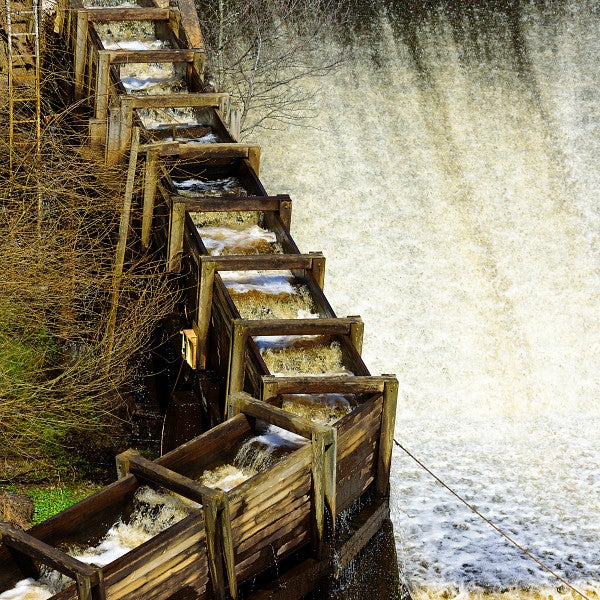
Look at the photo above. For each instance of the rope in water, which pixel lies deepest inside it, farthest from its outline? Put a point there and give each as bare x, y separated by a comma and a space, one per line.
492, 525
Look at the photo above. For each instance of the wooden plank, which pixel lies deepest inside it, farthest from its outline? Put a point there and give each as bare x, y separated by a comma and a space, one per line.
243, 402
189, 532
249, 512
179, 100
190, 23
102, 85
80, 53
131, 462
176, 230
322, 385
192, 457
258, 262
234, 203
122, 57
245, 532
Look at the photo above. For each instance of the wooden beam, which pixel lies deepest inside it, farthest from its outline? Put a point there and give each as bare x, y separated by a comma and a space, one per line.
122, 245
140, 13
213, 100
190, 23
206, 278
337, 384
121, 57
102, 85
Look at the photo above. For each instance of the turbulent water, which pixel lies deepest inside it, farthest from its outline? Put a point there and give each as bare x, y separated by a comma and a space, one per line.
451, 179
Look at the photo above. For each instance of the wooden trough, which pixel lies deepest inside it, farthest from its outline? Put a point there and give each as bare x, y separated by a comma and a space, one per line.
234, 535
361, 450
176, 557
98, 69
164, 206
276, 512
247, 364
208, 110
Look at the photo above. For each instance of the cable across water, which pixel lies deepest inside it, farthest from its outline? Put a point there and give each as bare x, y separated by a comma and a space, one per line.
490, 523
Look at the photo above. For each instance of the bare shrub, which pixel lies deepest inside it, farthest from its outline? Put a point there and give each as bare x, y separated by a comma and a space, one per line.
265, 53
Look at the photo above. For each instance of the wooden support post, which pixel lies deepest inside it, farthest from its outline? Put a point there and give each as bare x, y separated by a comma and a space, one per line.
150, 180
237, 353
268, 389
234, 123
126, 124
213, 546
227, 543
122, 245
112, 155
206, 278
285, 213
102, 85
386, 439
254, 158
318, 496
81, 51
176, 231
318, 268
357, 329
330, 467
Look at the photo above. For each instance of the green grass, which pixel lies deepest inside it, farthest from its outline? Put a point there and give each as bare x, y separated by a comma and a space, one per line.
50, 501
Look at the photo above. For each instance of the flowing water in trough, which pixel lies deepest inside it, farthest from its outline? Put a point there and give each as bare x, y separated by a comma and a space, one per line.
255, 455
452, 182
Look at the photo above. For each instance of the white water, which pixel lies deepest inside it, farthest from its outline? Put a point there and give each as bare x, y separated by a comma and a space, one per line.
459, 215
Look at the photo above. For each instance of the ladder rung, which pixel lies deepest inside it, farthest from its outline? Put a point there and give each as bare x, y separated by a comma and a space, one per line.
24, 99
23, 34
15, 121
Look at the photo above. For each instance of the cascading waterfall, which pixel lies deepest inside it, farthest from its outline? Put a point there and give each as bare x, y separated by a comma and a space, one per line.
451, 180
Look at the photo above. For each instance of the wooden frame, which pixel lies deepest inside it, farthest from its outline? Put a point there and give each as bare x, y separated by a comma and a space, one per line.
304, 478
376, 413
173, 557
246, 366
309, 267
123, 118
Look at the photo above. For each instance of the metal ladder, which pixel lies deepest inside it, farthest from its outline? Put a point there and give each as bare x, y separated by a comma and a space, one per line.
24, 82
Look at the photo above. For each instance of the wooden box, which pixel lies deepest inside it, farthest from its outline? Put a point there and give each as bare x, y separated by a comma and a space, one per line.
175, 557
274, 513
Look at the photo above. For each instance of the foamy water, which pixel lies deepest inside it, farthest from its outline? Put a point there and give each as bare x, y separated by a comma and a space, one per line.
452, 185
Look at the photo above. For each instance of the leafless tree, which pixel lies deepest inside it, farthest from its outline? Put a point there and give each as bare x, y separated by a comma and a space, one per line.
270, 54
